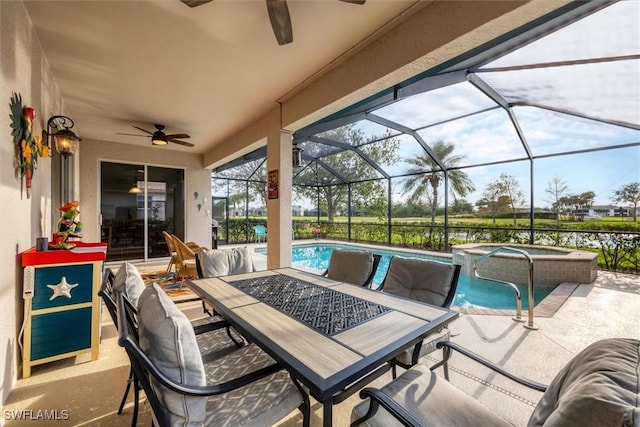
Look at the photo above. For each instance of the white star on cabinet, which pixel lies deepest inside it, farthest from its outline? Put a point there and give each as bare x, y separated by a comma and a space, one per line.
62, 288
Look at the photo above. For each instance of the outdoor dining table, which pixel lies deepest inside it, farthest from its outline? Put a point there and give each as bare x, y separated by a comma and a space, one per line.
333, 337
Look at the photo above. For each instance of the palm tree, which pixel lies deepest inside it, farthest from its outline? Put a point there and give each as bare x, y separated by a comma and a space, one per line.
421, 184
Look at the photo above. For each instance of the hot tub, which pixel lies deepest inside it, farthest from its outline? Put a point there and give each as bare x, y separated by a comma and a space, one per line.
551, 265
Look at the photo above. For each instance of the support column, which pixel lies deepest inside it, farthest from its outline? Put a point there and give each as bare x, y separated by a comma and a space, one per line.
279, 184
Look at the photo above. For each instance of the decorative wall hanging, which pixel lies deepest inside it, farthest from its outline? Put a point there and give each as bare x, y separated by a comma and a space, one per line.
28, 145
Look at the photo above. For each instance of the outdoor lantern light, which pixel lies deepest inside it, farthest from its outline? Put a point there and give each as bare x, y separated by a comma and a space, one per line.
296, 156
58, 127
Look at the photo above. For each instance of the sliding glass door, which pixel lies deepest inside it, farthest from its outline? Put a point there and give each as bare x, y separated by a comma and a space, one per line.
137, 203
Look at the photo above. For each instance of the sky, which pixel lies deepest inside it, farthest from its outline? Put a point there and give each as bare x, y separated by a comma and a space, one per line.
576, 90
593, 86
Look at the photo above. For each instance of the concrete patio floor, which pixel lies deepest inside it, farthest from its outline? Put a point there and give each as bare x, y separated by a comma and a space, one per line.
609, 307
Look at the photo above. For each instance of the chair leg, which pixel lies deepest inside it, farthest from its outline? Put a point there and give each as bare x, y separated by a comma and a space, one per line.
126, 392
136, 405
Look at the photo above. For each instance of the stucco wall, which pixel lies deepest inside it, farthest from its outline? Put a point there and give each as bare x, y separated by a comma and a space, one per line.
23, 70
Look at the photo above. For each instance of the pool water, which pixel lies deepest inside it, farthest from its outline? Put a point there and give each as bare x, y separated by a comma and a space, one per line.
471, 293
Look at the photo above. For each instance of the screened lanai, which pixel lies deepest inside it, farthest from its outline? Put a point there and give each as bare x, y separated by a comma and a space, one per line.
549, 111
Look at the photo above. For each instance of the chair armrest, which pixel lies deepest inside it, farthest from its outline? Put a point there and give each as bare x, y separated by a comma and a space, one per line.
193, 390
379, 398
447, 346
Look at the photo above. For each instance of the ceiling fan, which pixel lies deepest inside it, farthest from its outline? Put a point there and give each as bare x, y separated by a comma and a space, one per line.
278, 15
160, 138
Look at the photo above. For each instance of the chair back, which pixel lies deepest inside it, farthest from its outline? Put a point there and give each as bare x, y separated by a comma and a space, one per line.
141, 365
224, 262
424, 280
169, 240
106, 293
353, 266
109, 296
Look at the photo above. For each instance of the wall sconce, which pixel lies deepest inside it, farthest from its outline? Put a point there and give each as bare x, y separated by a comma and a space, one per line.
64, 139
296, 155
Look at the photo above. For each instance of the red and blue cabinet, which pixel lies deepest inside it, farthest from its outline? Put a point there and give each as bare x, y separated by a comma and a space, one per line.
61, 305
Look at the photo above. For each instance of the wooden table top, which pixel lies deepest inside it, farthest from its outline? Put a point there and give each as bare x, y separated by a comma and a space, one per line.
325, 362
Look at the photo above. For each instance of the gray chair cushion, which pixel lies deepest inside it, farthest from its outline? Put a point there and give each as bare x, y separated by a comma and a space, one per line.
129, 281
598, 387
422, 280
351, 266
223, 262
433, 400
167, 338
261, 403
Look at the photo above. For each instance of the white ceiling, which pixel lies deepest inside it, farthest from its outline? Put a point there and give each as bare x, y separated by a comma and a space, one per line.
206, 71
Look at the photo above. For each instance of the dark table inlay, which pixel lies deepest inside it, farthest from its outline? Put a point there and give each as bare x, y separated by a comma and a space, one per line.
323, 309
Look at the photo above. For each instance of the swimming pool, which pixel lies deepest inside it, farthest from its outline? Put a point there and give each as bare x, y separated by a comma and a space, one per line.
471, 292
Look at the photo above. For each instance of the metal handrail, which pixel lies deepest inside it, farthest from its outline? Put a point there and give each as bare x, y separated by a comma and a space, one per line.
530, 307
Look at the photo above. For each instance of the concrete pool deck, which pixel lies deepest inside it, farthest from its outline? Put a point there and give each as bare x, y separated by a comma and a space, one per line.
609, 307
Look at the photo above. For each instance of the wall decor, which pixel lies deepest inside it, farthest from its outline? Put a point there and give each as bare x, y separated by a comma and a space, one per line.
28, 144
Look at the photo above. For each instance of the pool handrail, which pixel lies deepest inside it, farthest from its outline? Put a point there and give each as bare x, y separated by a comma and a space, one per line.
518, 318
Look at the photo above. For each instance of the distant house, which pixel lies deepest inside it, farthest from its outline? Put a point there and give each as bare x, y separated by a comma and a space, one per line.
610, 210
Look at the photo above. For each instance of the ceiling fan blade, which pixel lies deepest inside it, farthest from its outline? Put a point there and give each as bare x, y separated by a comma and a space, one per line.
178, 135
143, 130
194, 3
280, 21
132, 134
177, 141
354, 1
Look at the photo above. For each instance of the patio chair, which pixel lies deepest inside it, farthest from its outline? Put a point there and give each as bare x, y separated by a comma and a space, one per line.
186, 258
243, 387
598, 387
352, 266
128, 282
424, 280
223, 262
260, 233
172, 251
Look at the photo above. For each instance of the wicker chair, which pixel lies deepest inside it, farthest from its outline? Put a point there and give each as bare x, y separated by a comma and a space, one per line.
185, 258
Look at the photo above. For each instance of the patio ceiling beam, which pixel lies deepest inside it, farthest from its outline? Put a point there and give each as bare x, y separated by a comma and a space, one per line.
408, 131
359, 152
489, 91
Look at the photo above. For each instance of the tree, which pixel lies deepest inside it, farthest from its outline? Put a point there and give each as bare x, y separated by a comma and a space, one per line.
492, 201
556, 188
423, 184
629, 193
368, 193
509, 186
